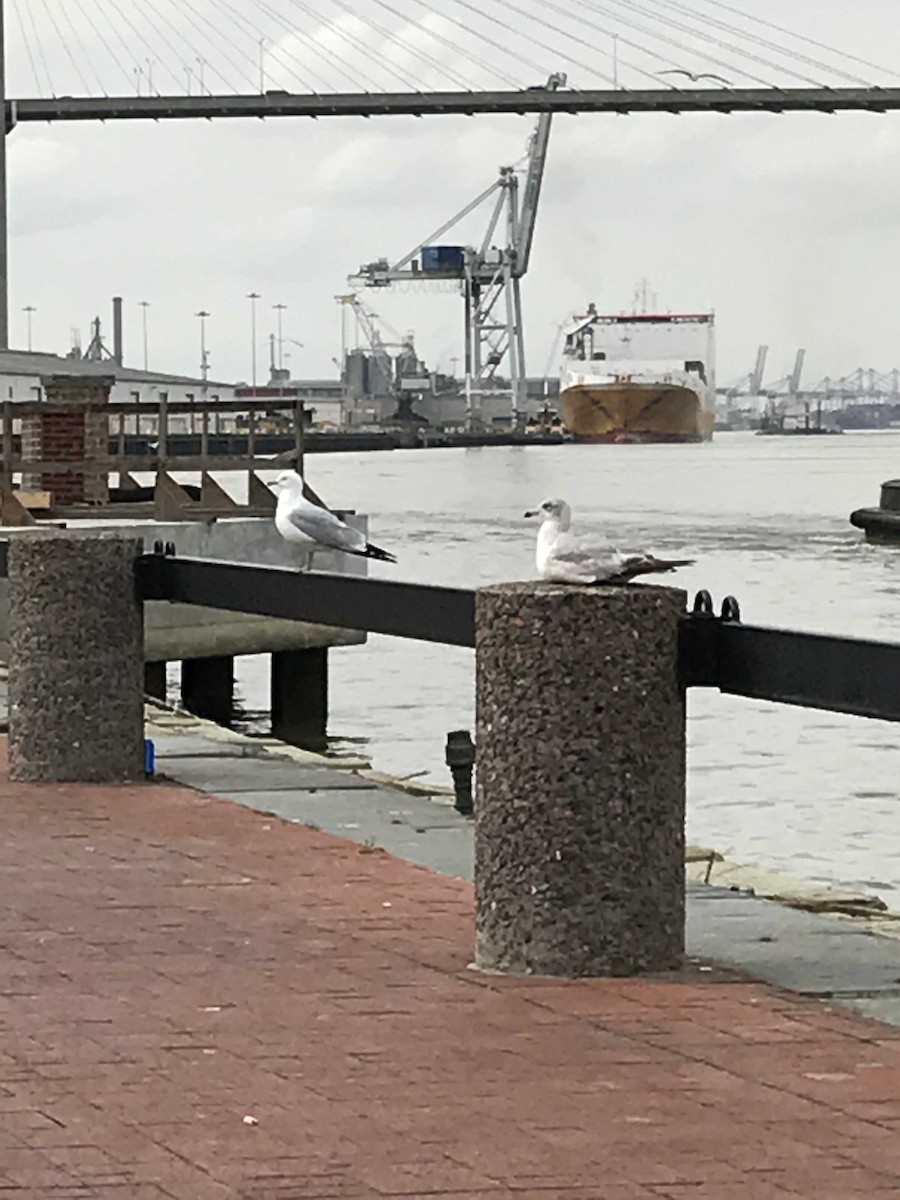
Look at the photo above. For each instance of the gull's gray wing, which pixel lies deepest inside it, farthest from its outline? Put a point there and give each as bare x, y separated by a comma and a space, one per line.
576, 553
325, 528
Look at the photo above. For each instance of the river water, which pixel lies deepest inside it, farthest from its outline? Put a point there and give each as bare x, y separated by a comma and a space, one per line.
813, 794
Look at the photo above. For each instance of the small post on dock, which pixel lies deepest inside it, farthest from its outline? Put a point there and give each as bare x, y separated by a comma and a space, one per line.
580, 800
76, 659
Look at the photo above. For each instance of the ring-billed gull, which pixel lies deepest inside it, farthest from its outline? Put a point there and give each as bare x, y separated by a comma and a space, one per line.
562, 558
300, 521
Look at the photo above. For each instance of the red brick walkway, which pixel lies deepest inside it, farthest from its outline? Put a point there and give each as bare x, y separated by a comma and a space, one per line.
198, 1001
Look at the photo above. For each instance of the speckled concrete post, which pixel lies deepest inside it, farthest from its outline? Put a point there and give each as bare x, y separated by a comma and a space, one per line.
76, 659
579, 811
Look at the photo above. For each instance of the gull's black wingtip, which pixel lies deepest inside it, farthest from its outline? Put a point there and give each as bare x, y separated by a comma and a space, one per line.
377, 553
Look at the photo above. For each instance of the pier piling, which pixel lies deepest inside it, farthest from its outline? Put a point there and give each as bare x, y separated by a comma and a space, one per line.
76, 659
299, 695
207, 687
580, 780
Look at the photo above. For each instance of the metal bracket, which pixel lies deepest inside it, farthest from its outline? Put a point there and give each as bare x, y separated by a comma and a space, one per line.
698, 640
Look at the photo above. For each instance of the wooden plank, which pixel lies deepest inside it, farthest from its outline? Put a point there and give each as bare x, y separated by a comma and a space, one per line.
213, 495
259, 495
34, 500
12, 512
171, 502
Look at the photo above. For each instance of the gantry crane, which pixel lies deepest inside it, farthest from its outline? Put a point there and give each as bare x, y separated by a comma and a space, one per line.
489, 276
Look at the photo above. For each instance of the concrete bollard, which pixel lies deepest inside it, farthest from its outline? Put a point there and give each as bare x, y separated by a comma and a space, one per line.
579, 812
76, 659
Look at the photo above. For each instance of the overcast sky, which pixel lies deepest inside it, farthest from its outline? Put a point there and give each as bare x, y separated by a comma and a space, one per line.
788, 226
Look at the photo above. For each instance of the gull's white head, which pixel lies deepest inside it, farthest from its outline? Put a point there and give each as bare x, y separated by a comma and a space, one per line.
288, 481
553, 510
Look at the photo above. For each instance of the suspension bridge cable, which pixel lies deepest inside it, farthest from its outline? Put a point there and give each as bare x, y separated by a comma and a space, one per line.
397, 39
760, 41
186, 10
450, 45
336, 30
802, 38
40, 49
26, 41
681, 46
504, 49
64, 42
159, 28
88, 56
278, 52
98, 29
454, 46
467, 29
611, 33
728, 46
318, 48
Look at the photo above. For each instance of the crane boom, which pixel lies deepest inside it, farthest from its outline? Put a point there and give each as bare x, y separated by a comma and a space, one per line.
756, 376
532, 191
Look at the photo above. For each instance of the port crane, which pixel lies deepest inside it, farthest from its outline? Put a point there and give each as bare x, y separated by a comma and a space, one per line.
489, 277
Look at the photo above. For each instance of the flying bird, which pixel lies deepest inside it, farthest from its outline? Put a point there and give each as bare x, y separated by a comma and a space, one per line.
696, 78
303, 523
562, 558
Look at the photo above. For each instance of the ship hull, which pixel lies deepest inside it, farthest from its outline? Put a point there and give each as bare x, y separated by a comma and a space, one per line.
635, 412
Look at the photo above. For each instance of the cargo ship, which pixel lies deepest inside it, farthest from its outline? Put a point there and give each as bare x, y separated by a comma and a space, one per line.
639, 377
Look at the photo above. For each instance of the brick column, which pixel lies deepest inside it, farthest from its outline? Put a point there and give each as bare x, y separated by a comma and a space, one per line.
579, 812
75, 428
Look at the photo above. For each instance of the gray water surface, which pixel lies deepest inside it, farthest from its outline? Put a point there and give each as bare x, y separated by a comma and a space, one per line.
810, 793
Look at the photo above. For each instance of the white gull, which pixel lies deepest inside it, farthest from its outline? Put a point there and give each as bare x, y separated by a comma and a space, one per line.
562, 558
300, 521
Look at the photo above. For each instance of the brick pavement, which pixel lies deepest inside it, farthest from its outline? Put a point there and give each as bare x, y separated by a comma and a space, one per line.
200, 1001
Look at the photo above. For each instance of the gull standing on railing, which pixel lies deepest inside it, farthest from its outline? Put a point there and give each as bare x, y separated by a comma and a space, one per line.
563, 558
300, 521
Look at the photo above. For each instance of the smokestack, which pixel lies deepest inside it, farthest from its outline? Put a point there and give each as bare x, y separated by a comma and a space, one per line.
117, 330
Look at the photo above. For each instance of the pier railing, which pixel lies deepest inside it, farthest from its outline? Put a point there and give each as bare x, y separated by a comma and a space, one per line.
838, 674
580, 738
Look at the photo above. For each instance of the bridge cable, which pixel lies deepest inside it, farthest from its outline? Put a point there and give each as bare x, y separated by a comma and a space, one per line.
187, 10
454, 46
729, 47
98, 29
26, 41
803, 38
64, 42
318, 50
333, 27
724, 64
397, 39
38, 45
784, 51
99, 33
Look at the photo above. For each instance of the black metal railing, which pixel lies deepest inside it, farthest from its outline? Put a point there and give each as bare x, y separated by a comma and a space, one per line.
846, 675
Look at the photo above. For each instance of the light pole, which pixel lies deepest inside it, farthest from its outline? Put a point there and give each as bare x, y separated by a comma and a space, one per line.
253, 297
279, 308
204, 355
262, 65
28, 310
144, 304
201, 64
615, 42
204, 365
150, 65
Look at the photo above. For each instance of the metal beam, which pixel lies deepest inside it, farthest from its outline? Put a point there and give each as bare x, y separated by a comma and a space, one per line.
420, 104
428, 614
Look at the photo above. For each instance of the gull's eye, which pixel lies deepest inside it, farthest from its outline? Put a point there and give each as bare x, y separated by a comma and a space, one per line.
547, 506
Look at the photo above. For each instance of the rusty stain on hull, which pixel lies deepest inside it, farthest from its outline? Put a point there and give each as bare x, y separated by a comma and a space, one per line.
635, 412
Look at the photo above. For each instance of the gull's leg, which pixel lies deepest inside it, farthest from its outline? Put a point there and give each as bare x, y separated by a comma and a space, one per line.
309, 559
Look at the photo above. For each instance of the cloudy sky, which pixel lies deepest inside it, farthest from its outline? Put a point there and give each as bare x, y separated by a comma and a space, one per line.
788, 226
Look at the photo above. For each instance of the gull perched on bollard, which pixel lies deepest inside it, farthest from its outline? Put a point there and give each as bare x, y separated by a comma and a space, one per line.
300, 521
562, 558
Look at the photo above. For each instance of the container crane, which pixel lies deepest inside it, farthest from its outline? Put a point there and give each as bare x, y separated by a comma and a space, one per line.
489, 276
